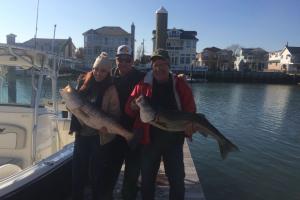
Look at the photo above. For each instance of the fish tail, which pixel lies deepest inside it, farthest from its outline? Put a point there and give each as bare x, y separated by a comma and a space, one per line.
226, 146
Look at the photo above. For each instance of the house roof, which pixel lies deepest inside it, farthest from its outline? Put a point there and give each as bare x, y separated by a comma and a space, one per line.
213, 49
253, 51
191, 35
45, 41
188, 35
108, 30
294, 50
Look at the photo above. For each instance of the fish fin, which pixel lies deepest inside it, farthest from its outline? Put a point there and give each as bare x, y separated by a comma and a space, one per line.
226, 147
200, 129
159, 125
137, 136
162, 124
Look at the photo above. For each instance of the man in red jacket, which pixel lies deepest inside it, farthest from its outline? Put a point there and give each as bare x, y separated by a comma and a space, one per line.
168, 91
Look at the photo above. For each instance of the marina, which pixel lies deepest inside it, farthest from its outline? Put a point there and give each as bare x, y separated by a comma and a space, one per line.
244, 79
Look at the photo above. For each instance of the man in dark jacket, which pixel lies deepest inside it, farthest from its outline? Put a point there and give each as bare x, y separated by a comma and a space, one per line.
125, 78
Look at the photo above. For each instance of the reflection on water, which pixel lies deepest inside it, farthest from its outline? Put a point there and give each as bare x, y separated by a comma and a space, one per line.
263, 120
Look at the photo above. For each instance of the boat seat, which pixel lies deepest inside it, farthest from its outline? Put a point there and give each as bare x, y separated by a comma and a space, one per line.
8, 170
12, 136
8, 160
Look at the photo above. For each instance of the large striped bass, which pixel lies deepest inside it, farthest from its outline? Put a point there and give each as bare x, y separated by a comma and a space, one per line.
94, 117
177, 121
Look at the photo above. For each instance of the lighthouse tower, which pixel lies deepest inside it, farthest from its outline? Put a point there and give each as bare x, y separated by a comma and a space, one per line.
161, 28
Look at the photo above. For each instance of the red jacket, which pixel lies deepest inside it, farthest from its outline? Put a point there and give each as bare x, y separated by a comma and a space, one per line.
182, 92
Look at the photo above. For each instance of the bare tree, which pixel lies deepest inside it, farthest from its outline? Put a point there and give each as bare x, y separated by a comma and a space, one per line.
234, 48
139, 53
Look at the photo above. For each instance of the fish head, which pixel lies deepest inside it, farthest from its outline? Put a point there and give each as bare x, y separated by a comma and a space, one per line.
71, 97
147, 113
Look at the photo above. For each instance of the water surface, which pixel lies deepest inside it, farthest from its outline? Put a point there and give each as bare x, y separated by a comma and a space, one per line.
264, 122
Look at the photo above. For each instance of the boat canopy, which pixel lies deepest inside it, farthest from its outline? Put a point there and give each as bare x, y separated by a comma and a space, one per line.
22, 57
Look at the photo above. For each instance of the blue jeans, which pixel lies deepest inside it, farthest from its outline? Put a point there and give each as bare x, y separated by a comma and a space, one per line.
169, 146
85, 155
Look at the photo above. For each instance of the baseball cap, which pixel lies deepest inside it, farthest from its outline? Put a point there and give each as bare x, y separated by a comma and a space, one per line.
160, 53
124, 50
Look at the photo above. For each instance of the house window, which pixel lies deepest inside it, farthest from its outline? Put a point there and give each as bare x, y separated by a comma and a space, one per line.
187, 60
176, 60
126, 41
89, 51
188, 44
89, 37
182, 59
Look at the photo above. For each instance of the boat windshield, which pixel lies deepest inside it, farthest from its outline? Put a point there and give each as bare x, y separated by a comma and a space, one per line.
15, 86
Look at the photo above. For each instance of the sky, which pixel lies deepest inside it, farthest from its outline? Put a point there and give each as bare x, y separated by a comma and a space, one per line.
268, 24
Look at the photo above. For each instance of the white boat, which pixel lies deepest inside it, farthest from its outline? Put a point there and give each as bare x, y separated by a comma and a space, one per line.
35, 147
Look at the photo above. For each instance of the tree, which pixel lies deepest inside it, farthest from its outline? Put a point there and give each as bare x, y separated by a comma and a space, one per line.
139, 53
234, 48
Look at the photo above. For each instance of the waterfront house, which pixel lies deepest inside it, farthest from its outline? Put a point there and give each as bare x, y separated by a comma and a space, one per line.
216, 59
61, 47
250, 59
106, 38
290, 59
208, 57
225, 60
181, 46
274, 62
286, 60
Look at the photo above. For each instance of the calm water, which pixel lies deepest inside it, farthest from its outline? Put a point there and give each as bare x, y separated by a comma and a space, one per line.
264, 122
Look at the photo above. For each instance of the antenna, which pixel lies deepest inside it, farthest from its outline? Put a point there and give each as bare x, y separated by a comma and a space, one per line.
143, 50
52, 45
36, 22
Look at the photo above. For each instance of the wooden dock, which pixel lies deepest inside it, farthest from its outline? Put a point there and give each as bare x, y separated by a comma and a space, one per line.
193, 188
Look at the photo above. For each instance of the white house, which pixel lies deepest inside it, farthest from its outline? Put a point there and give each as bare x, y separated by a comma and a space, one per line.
286, 60
181, 46
250, 59
274, 61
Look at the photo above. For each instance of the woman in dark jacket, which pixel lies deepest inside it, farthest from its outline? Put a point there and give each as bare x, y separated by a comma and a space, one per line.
97, 87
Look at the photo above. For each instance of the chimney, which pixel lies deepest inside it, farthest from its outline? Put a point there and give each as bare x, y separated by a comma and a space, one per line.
132, 38
161, 28
11, 39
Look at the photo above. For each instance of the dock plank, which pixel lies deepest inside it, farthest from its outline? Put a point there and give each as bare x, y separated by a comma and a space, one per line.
193, 188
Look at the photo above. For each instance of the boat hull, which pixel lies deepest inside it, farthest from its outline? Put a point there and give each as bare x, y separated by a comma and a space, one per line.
48, 179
